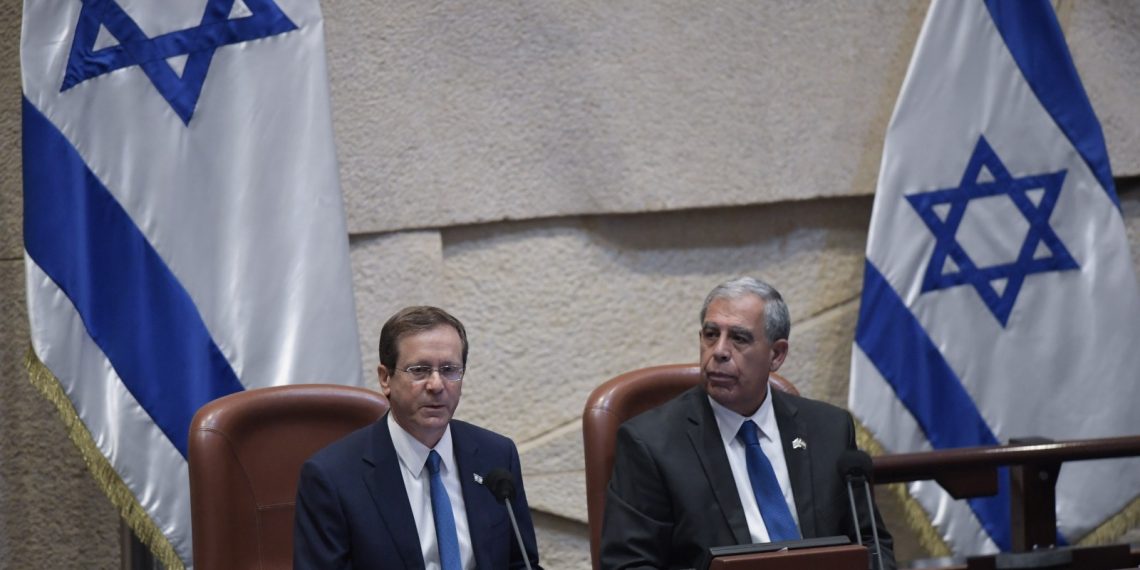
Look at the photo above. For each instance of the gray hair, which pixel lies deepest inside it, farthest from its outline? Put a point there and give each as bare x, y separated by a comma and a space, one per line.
777, 320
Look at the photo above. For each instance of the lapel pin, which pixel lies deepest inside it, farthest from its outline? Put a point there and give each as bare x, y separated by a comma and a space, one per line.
478, 478
799, 443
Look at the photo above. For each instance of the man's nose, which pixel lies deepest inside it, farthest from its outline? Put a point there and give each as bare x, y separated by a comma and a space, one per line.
720, 350
434, 381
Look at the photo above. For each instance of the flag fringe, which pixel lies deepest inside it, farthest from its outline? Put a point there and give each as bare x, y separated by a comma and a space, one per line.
1112, 529
101, 470
915, 516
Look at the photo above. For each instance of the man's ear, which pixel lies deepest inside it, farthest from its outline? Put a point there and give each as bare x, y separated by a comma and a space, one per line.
385, 377
779, 353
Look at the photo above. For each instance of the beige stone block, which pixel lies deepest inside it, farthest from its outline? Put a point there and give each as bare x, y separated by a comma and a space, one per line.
558, 307
473, 112
562, 544
390, 272
52, 514
1106, 50
553, 468
819, 363
561, 494
820, 360
559, 451
482, 112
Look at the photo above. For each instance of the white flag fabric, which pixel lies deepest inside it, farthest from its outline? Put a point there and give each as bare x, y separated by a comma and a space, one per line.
999, 295
184, 231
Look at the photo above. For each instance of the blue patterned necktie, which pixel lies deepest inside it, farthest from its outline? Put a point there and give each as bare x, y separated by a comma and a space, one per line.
769, 497
445, 535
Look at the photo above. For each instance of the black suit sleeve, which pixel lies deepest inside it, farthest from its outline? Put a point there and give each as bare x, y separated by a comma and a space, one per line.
320, 532
636, 528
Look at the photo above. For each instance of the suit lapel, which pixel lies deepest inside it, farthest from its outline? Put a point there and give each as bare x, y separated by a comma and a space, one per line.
479, 501
386, 486
792, 427
704, 435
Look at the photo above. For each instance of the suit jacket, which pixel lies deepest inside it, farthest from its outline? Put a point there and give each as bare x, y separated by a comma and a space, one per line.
353, 510
672, 495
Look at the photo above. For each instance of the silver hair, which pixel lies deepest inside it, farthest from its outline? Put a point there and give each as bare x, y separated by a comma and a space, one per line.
777, 320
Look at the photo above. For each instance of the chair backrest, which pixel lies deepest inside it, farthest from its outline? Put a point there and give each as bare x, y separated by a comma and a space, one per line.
246, 452
618, 400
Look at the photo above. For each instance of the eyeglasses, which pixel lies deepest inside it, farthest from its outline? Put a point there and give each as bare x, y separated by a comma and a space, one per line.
420, 372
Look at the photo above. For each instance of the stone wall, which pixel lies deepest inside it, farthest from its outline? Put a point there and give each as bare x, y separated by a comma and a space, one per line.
570, 178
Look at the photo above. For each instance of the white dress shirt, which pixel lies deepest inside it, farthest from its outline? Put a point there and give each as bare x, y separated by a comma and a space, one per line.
417, 482
729, 423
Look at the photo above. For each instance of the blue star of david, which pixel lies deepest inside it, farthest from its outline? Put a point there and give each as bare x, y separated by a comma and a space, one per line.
1029, 260
198, 43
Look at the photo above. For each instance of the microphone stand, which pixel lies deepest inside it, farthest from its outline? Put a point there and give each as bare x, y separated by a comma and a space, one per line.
874, 526
854, 512
501, 484
518, 535
877, 554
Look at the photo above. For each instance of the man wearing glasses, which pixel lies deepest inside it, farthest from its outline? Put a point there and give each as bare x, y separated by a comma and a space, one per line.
406, 492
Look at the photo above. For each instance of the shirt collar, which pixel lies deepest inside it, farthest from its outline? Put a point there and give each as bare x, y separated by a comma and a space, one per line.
413, 454
729, 422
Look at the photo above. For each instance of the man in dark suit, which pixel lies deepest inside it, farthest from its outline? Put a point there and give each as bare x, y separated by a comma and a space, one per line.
730, 461
406, 492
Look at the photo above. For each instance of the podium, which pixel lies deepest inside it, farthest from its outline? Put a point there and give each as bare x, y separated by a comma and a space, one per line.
847, 557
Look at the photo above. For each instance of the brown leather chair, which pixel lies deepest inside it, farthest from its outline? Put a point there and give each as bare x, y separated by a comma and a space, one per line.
246, 451
617, 401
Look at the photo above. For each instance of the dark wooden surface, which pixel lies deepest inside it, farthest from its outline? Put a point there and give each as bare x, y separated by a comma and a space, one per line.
849, 557
954, 463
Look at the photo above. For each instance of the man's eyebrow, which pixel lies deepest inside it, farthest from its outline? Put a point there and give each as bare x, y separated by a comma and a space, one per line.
736, 330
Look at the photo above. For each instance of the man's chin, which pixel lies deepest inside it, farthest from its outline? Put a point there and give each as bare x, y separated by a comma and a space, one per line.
734, 398
435, 415
720, 392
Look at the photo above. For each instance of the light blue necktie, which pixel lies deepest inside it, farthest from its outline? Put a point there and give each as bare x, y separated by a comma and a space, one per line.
777, 517
445, 535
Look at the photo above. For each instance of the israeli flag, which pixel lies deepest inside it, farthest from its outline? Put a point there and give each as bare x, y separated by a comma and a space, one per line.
999, 298
183, 227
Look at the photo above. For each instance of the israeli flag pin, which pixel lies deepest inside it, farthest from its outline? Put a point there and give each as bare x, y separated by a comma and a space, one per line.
799, 443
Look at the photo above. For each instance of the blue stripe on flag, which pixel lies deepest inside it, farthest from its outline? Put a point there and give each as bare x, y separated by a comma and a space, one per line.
922, 379
1033, 35
134, 308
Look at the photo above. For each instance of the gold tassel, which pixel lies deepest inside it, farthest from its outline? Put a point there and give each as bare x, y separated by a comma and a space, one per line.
105, 475
1111, 530
916, 518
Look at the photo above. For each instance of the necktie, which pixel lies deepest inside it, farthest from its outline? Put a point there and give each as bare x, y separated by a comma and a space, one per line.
769, 497
445, 535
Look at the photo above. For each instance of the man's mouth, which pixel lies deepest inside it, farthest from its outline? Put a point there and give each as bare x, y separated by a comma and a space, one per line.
720, 377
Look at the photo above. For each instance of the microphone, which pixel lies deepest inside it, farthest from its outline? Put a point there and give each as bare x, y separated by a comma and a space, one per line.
854, 463
502, 485
855, 467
